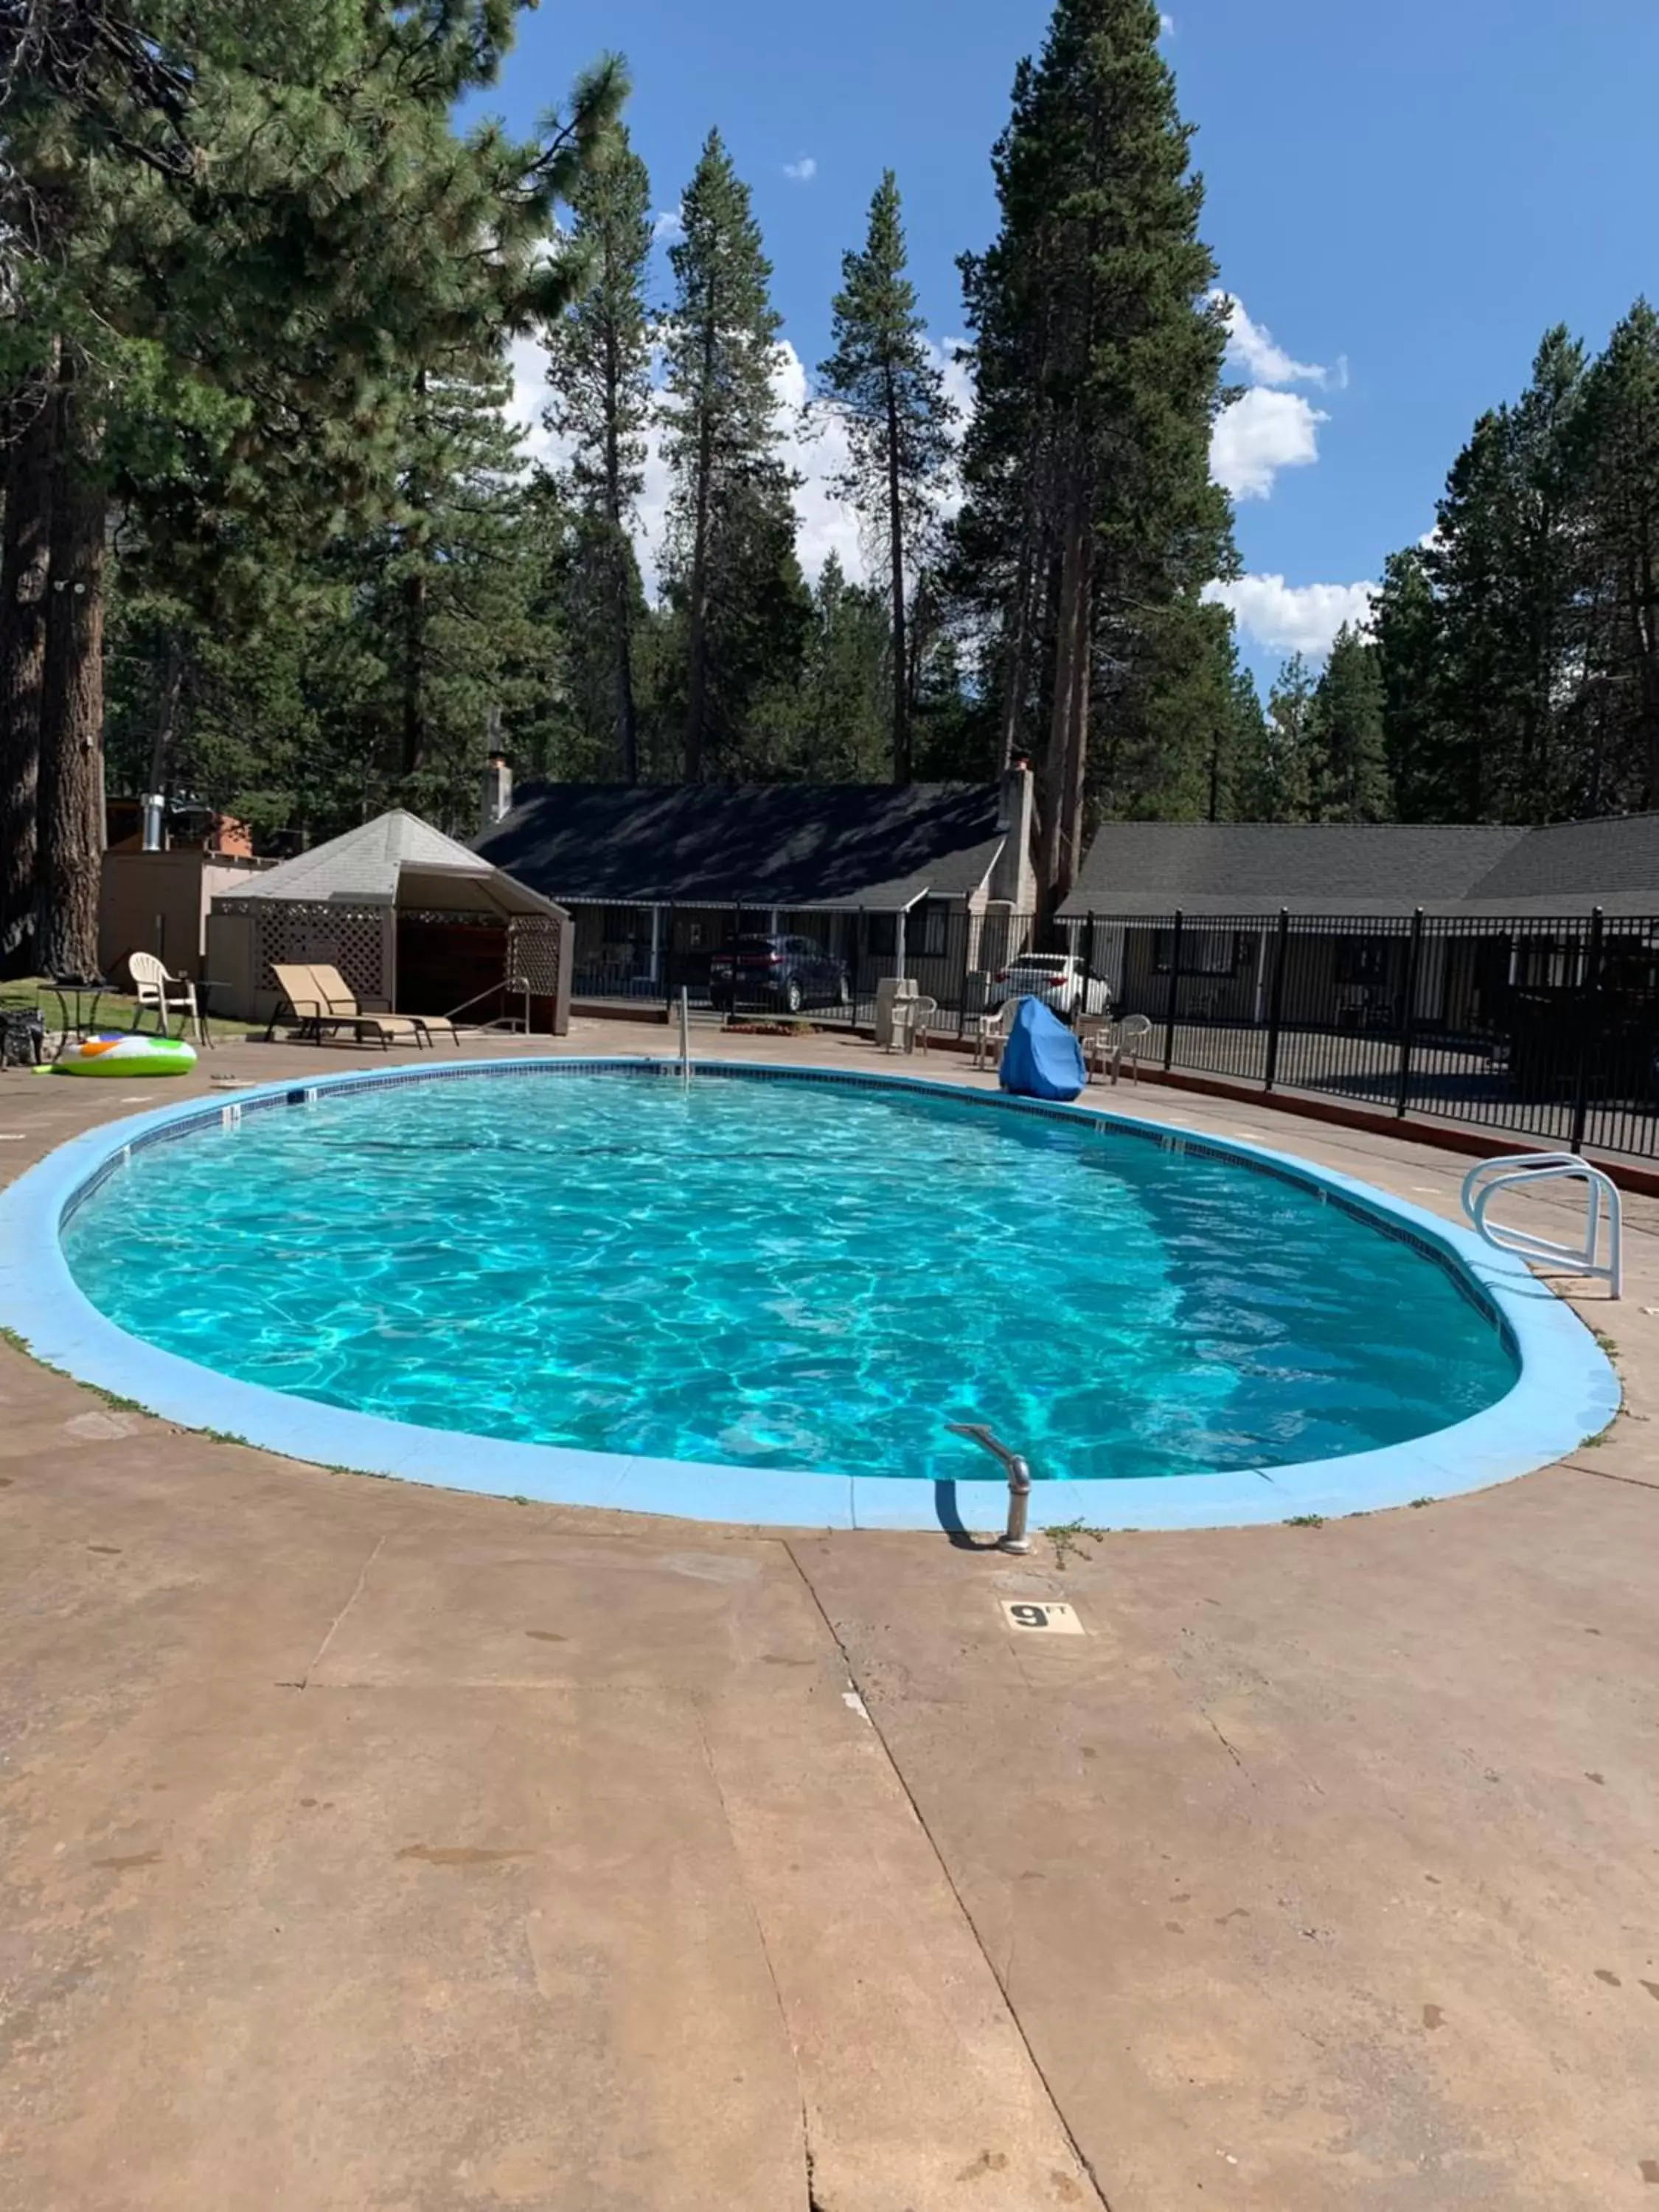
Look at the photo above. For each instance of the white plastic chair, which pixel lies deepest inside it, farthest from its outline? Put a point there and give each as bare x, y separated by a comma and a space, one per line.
1132, 1032
165, 995
991, 1032
912, 1019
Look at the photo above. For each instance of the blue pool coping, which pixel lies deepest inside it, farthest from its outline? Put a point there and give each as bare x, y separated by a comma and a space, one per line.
1565, 1392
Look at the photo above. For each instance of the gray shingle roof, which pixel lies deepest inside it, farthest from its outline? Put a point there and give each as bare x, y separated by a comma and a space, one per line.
788, 845
1311, 868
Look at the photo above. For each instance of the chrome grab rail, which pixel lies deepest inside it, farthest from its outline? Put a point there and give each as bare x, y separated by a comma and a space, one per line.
1514, 1171
1014, 1538
685, 1035
520, 983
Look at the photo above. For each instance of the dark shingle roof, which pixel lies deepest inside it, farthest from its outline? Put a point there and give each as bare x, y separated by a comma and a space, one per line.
1568, 867
1311, 868
790, 845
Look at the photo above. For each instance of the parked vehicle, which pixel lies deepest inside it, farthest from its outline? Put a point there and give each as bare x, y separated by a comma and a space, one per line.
787, 972
1056, 978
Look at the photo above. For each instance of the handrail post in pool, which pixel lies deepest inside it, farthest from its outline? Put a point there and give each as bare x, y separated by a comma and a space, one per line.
685, 1035
1013, 1537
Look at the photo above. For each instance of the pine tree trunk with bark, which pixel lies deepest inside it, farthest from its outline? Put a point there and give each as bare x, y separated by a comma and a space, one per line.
896, 555
25, 568
71, 796
696, 695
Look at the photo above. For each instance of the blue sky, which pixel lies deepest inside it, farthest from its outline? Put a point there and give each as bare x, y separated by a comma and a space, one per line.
1404, 197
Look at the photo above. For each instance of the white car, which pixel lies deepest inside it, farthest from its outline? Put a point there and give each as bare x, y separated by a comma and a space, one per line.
1056, 978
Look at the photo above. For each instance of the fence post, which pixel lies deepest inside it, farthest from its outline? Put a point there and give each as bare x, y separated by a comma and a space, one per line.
668, 962
1408, 1012
1276, 997
1175, 992
1591, 986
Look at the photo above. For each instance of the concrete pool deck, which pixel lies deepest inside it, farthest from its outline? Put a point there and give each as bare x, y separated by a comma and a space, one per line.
368, 1845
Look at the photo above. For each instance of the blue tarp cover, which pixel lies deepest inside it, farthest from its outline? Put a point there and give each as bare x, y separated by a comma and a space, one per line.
1041, 1058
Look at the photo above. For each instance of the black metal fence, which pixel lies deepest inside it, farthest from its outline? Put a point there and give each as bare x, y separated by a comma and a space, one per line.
1545, 1025
829, 965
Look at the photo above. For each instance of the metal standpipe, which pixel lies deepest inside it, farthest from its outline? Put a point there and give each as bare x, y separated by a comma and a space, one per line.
1014, 1538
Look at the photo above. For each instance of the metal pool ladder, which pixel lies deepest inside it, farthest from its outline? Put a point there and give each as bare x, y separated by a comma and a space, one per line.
1014, 1538
1517, 1170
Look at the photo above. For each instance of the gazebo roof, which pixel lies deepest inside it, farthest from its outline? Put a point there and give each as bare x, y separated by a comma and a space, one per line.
364, 867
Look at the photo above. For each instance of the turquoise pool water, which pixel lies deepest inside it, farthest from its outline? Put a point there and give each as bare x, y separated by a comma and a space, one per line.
779, 1275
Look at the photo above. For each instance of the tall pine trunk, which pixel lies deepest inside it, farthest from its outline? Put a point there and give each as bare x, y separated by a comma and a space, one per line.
1063, 763
622, 611
696, 694
24, 567
896, 554
71, 799
414, 701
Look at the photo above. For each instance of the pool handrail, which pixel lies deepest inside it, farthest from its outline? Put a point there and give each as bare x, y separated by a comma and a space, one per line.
1014, 1537
1515, 1171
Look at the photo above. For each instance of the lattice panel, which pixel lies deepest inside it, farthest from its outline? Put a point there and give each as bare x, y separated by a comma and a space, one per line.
532, 952
352, 939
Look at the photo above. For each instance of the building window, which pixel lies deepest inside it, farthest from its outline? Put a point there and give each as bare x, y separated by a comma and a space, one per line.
1203, 951
929, 931
1362, 959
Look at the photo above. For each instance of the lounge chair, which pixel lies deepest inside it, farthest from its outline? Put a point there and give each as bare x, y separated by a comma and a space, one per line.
164, 994
338, 996
319, 998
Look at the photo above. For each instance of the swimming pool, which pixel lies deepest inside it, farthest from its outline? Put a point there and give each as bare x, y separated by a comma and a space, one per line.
792, 1286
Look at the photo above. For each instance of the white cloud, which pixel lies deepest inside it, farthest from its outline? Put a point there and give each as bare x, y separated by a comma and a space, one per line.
1166, 26
1292, 617
1262, 432
668, 225
1252, 349
801, 172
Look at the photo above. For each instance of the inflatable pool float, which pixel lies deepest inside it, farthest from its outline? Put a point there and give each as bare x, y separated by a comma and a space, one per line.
123, 1052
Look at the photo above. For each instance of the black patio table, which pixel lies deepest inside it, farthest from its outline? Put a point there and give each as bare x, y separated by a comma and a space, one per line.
76, 991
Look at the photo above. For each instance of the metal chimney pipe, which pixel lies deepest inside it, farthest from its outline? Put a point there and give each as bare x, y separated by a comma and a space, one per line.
155, 813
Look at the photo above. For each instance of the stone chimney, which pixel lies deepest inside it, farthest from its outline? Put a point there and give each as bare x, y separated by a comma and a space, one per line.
497, 790
1013, 877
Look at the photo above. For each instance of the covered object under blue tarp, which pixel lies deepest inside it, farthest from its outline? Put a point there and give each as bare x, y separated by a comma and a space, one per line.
1041, 1058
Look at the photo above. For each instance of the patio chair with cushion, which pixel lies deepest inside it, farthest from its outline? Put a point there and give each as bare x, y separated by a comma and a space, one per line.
338, 997
163, 994
319, 999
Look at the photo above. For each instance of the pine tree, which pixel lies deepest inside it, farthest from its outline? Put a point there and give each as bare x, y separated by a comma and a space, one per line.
1348, 768
236, 329
732, 574
1407, 624
883, 382
442, 594
1618, 464
1100, 354
599, 369
1277, 785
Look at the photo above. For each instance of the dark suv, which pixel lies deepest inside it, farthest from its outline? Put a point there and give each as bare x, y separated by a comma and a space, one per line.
790, 972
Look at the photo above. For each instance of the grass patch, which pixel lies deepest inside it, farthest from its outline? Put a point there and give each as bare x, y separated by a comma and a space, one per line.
1605, 1341
111, 1399
1418, 1502
116, 1009
223, 1436
1306, 1520
1073, 1539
